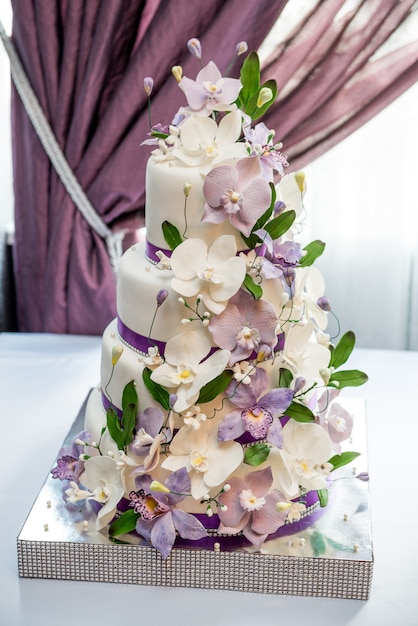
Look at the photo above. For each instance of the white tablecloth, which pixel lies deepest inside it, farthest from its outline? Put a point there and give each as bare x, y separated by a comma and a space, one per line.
43, 382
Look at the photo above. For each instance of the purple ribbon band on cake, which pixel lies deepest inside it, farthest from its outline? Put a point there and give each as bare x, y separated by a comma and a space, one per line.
151, 251
142, 343
137, 341
107, 404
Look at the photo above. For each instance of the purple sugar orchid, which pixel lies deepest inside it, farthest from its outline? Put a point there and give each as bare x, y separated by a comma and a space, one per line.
160, 520
257, 414
69, 466
260, 142
210, 91
239, 193
244, 326
251, 507
280, 257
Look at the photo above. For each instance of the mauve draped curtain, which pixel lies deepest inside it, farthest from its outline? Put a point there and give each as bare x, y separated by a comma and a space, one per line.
333, 75
87, 59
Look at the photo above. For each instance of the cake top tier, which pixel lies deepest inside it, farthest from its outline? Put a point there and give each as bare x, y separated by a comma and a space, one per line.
211, 169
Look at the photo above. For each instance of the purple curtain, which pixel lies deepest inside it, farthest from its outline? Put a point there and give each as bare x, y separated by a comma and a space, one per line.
333, 75
86, 61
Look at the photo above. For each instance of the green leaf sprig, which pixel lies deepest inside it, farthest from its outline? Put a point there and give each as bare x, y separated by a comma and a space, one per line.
249, 96
121, 429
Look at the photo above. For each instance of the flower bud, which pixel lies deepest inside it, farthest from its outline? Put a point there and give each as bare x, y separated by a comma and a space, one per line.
300, 181
226, 487
241, 48
162, 296
264, 96
186, 189
324, 303
116, 354
177, 72
148, 85
157, 486
172, 399
194, 47
325, 374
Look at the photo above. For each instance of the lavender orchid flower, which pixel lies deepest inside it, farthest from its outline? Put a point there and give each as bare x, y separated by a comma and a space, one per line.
69, 464
243, 326
280, 258
257, 414
250, 506
160, 520
210, 91
239, 193
260, 142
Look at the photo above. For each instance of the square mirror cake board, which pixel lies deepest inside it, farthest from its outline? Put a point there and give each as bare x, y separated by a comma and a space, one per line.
332, 558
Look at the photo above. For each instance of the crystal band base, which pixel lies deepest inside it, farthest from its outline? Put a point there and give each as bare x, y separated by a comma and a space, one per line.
331, 558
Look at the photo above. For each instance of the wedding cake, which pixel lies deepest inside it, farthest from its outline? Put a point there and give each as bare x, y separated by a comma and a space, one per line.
216, 420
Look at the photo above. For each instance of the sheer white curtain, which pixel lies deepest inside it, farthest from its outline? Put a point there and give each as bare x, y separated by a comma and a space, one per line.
362, 201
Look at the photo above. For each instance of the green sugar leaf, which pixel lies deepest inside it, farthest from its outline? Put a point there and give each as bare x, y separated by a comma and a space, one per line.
257, 454
171, 235
126, 523
313, 252
323, 497
280, 224
342, 350
250, 79
114, 427
347, 378
214, 387
255, 290
253, 110
285, 377
300, 412
339, 460
158, 392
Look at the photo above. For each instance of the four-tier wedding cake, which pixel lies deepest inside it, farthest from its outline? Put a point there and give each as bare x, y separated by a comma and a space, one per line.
216, 417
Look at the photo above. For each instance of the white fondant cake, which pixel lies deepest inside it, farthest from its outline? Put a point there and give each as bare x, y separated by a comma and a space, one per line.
216, 410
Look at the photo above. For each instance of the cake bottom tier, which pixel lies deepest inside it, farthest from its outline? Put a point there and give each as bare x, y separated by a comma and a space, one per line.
331, 556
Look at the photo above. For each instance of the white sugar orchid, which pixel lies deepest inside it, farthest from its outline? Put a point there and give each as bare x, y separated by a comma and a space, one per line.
303, 355
208, 461
103, 478
291, 191
305, 453
184, 370
216, 275
310, 286
203, 141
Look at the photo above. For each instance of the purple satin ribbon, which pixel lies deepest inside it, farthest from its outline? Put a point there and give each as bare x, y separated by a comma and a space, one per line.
107, 404
137, 341
235, 542
151, 252
142, 343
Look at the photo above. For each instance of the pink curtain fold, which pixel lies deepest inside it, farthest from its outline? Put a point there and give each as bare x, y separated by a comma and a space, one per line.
333, 76
87, 59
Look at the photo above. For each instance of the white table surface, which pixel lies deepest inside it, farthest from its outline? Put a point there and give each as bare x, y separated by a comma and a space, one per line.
43, 382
